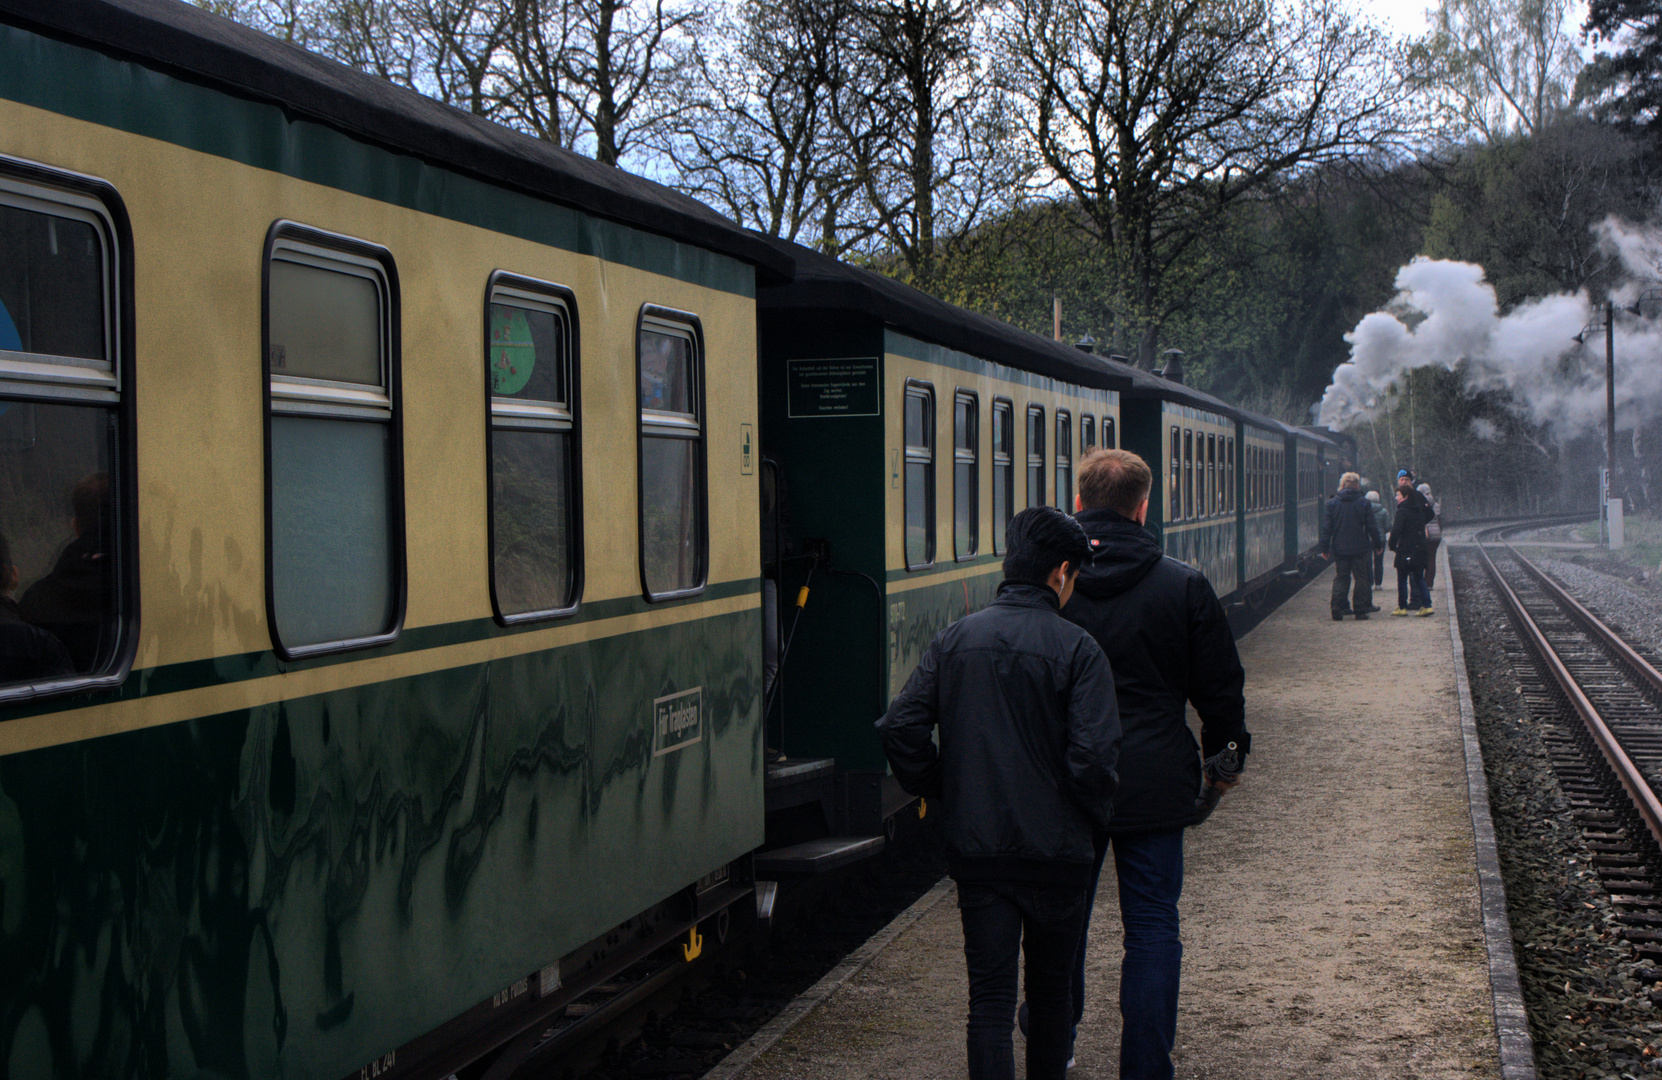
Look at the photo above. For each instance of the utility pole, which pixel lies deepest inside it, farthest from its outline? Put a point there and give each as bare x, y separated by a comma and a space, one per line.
1610, 391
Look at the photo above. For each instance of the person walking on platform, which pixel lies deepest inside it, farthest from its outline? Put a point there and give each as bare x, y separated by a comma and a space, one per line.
1350, 537
1381, 518
1024, 772
1169, 643
1408, 541
1433, 535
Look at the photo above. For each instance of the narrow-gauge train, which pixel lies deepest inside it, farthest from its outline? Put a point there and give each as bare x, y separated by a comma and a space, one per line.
899, 435
401, 520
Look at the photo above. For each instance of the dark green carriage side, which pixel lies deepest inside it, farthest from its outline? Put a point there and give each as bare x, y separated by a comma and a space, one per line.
833, 476
295, 889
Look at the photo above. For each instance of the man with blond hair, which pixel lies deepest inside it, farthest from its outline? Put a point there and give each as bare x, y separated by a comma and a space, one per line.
1350, 536
1169, 645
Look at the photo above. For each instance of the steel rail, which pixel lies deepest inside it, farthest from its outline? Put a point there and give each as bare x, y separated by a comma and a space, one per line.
1644, 799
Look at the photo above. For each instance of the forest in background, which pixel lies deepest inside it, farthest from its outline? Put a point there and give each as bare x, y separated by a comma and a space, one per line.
1238, 179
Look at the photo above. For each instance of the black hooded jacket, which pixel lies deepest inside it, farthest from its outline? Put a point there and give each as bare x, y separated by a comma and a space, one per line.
1348, 526
1024, 770
1408, 531
1169, 643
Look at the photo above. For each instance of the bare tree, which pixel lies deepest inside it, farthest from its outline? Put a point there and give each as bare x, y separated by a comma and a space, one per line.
623, 67
759, 144
1498, 66
1159, 116
925, 125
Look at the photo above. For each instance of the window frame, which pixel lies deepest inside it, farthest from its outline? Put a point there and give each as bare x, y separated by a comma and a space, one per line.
1213, 507
1087, 433
1109, 437
110, 384
1175, 483
1188, 474
972, 458
539, 416
1062, 460
925, 391
1036, 458
326, 399
664, 425
1008, 408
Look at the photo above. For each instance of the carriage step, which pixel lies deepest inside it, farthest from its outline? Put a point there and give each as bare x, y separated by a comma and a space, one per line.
817, 856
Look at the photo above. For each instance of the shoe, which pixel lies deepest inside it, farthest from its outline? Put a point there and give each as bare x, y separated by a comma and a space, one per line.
1425, 611
1362, 616
1400, 611
1338, 616
1375, 607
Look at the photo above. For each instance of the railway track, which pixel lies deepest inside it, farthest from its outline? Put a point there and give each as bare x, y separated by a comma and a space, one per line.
1600, 701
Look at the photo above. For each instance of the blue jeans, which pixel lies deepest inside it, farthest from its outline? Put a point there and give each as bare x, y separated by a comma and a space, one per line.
1001, 921
1149, 868
1411, 591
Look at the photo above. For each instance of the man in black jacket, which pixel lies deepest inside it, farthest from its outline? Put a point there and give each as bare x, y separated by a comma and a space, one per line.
1023, 701
1350, 536
1168, 643
1409, 543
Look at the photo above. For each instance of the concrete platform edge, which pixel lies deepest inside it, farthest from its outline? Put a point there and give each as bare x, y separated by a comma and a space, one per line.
737, 1063
1517, 1049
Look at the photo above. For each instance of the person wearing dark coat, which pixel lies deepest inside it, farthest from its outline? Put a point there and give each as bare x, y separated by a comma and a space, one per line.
1009, 725
1382, 519
75, 601
1408, 541
1350, 537
27, 653
1170, 645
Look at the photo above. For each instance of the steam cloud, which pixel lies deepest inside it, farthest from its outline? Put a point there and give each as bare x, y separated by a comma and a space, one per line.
1445, 313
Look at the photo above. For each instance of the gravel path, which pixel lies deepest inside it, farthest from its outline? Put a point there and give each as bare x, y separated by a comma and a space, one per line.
1330, 909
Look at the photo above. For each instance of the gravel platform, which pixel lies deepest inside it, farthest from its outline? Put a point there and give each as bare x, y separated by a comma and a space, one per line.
1331, 915
1589, 1008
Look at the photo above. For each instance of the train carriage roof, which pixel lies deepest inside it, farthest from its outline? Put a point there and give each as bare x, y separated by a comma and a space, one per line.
206, 48
822, 282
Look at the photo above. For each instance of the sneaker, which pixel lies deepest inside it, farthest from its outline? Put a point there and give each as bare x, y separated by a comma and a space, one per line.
1400, 611
1425, 611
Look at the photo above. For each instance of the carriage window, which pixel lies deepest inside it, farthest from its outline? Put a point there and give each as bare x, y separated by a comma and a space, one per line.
335, 509
63, 569
919, 493
1035, 455
674, 527
1004, 471
1214, 491
1188, 473
1087, 434
1108, 442
1176, 479
529, 361
1064, 462
966, 479
1229, 476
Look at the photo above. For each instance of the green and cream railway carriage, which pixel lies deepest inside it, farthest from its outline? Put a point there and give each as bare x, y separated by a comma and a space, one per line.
1189, 444
906, 434
384, 483
1263, 495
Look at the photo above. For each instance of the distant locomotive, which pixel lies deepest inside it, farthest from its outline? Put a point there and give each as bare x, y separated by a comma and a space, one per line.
400, 520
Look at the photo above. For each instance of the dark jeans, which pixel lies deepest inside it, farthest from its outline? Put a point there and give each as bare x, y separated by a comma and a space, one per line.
1000, 922
1149, 869
1411, 591
1378, 569
1346, 567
